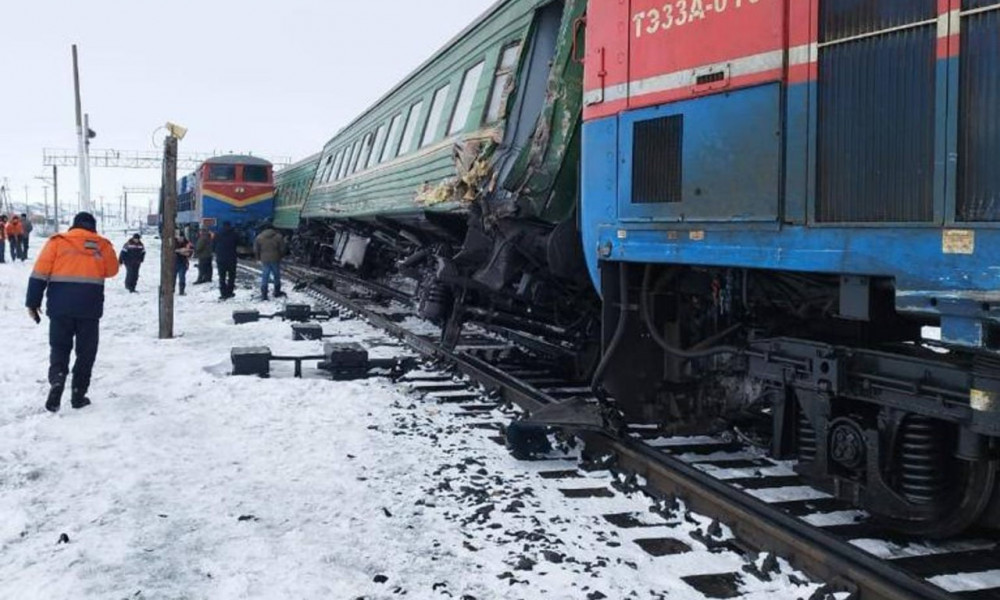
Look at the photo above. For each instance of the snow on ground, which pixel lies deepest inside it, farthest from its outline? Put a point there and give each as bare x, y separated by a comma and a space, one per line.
183, 482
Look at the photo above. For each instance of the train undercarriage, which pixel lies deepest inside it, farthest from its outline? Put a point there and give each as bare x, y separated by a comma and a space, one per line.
817, 369
870, 411
514, 277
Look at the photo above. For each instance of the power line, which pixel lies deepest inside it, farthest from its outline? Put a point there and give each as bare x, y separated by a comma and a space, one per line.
134, 159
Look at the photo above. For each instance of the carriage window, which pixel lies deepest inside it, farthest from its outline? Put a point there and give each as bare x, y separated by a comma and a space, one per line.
355, 151
222, 172
379, 144
323, 173
331, 166
255, 174
341, 171
393, 132
505, 71
465, 97
437, 110
411, 128
332, 175
366, 151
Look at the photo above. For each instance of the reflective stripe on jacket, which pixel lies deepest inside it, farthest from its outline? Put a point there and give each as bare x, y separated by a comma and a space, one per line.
73, 267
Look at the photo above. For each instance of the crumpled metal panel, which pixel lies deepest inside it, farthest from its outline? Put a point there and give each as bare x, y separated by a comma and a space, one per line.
544, 178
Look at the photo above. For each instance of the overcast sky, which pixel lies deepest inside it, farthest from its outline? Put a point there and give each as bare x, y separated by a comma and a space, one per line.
272, 78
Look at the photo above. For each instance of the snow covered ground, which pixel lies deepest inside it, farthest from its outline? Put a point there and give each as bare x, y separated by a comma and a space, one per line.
183, 482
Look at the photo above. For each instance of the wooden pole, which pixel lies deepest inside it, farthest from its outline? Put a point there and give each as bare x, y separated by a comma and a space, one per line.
168, 220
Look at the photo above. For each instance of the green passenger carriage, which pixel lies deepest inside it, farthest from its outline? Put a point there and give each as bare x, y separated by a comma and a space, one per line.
464, 177
291, 190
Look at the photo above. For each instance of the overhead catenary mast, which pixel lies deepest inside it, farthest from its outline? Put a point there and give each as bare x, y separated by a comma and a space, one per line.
82, 134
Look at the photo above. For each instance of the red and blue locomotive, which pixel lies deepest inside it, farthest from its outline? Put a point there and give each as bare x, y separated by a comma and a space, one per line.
234, 188
778, 198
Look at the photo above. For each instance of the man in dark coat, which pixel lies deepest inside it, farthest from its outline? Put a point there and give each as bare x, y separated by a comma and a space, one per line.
28, 228
224, 245
132, 255
270, 247
203, 254
71, 270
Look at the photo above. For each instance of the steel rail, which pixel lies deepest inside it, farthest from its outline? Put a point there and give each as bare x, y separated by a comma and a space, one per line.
821, 555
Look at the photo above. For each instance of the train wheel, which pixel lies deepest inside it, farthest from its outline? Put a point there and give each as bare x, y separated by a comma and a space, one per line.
975, 485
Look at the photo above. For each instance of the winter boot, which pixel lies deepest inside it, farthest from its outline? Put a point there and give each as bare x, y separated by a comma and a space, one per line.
80, 399
278, 293
55, 398
263, 295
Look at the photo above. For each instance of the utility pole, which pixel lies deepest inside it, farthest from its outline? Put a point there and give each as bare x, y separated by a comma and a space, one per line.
82, 141
27, 209
55, 195
168, 220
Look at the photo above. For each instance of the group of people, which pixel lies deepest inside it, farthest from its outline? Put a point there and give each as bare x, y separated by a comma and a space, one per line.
223, 246
15, 231
270, 248
71, 270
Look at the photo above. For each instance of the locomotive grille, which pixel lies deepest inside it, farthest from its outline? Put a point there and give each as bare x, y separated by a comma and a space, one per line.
877, 95
656, 155
979, 123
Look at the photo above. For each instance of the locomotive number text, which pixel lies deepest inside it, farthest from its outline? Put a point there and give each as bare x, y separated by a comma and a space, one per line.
680, 13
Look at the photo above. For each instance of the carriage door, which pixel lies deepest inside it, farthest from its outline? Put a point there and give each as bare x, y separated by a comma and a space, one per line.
702, 138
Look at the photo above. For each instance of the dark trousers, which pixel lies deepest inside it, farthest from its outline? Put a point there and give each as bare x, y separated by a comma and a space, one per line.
227, 279
16, 248
24, 245
205, 270
131, 277
63, 331
182, 270
3, 252
270, 271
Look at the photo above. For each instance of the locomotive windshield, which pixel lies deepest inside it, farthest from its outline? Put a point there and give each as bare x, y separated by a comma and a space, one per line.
222, 172
255, 174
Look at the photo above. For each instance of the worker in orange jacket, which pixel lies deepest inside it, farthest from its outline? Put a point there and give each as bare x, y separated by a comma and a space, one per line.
71, 269
15, 236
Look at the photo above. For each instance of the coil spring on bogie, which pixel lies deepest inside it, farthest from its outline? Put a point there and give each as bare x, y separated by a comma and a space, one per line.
922, 460
807, 439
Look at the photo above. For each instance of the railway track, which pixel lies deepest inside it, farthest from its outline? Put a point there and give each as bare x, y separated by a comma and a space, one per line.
765, 506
